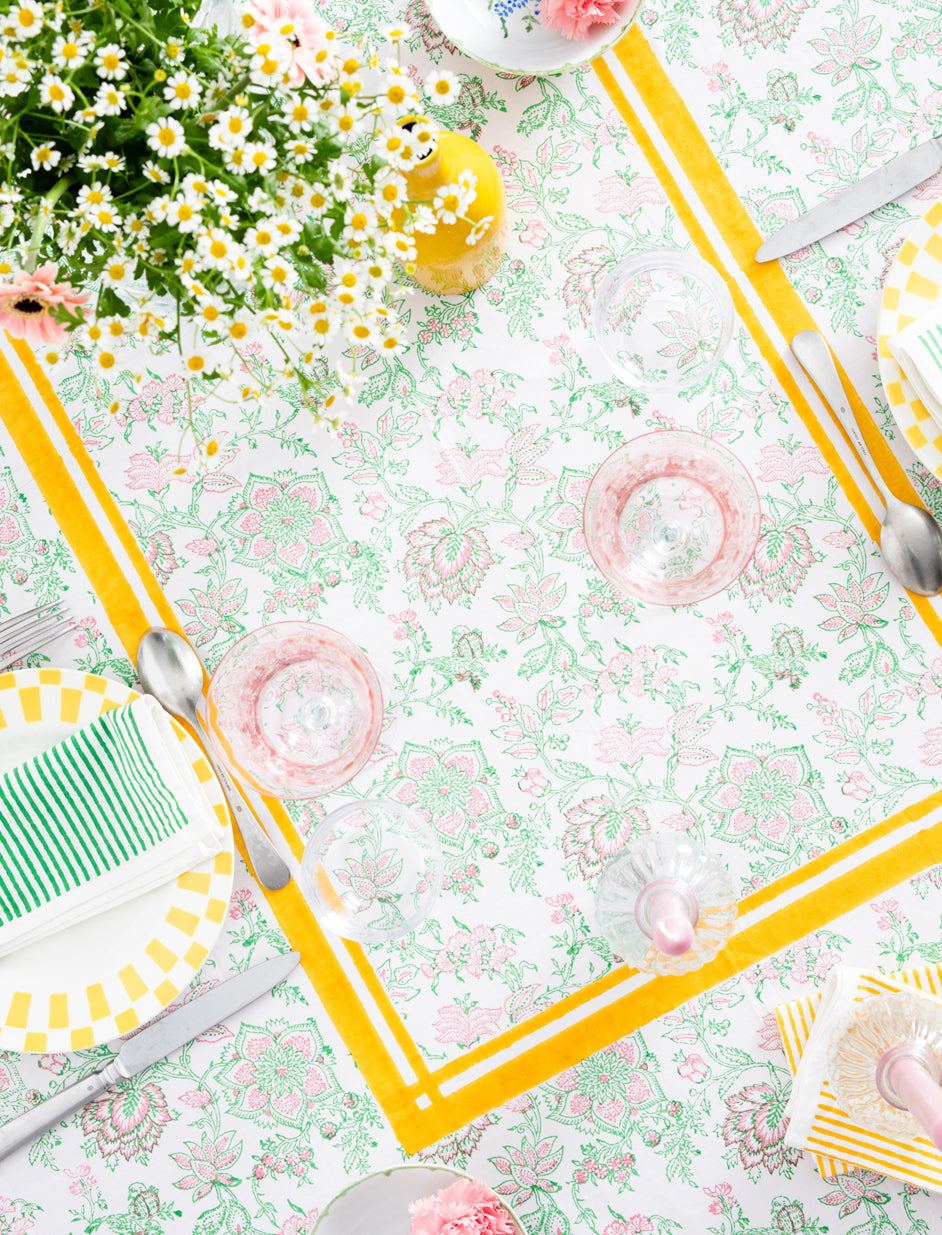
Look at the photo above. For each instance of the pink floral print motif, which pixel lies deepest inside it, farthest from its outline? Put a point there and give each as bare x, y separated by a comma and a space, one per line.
448, 789
281, 524
755, 1128
761, 21
779, 565
276, 1074
596, 828
128, 1120
607, 1086
846, 49
206, 1163
465, 1026
853, 1189
563, 518
853, 606
449, 563
765, 799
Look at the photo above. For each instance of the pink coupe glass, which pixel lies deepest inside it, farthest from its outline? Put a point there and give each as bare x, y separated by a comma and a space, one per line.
295, 708
671, 517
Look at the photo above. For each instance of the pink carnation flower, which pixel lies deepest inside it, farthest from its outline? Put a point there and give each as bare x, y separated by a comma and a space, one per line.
575, 18
297, 33
26, 302
466, 1207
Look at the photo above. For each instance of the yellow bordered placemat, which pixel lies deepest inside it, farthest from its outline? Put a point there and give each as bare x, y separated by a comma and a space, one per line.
424, 1103
838, 1144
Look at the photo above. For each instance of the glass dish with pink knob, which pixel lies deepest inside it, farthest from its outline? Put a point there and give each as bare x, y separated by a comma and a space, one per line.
671, 517
295, 709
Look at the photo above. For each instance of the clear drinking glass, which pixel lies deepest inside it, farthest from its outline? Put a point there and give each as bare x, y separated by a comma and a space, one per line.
671, 517
295, 708
663, 318
372, 870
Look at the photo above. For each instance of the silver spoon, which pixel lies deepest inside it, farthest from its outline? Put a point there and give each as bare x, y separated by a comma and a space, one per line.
910, 539
171, 671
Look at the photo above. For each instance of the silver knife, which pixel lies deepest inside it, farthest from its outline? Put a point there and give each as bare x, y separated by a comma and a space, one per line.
157, 1041
875, 189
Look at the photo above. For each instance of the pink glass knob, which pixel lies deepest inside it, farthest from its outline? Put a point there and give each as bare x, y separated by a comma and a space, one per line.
907, 1079
672, 931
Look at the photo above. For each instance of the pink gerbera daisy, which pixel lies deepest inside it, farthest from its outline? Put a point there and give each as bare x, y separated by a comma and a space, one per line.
27, 303
294, 27
575, 18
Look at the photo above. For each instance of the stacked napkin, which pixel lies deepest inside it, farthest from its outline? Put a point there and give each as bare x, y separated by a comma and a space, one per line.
111, 812
917, 350
817, 1121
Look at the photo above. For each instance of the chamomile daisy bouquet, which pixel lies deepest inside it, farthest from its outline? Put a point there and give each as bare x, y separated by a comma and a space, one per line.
201, 184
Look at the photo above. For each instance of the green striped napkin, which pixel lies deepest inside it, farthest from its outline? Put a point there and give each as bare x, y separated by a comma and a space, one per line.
111, 812
918, 351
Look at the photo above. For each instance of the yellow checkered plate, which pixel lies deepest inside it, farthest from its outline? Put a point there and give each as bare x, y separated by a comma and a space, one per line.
913, 287
115, 971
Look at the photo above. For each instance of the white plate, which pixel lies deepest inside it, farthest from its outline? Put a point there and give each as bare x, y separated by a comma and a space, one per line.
913, 287
111, 973
513, 48
380, 1201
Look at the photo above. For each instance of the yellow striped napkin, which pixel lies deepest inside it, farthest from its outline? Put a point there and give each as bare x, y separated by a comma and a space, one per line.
821, 1126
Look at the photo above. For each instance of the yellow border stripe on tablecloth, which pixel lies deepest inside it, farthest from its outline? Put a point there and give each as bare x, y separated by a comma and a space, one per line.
693, 154
127, 617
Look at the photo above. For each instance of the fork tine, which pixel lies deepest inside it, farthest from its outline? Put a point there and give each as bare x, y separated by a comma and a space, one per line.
37, 637
14, 625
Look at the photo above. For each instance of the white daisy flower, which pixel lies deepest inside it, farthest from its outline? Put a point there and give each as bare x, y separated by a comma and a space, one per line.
360, 223
220, 192
241, 326
105, 218
188, 263
110, 101
166, 137
261, 157
54, 92
236, 125
173, 50
136, 227
24, 20
395, 34
351, 284
424, 220
400, 246
15, 76
236, 159
378, 272
152, 171
241, 270
300, 150
346, 123
111, 62
397, 91
442, 86
298, 117
70, 52
90, 195
478, 229
287, 230
216, 247
46, 156
452, 200
193, 183
118, 272
389, 344
322, 324
114, 329
262, 239
389, 191
266, 68
156, 208
277, 274
184, 214
182, 90
106, 358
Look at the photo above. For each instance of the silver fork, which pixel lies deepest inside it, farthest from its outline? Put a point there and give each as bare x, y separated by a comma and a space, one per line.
28, 632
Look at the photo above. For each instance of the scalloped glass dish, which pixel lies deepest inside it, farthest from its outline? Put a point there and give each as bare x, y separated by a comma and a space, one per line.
295, 708
671, 517
518, 42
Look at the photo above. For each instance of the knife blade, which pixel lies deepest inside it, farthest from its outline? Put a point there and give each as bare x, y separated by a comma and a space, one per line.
158, 1040
875, 189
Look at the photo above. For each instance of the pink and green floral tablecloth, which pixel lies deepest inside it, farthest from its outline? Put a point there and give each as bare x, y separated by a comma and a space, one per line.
540, 719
